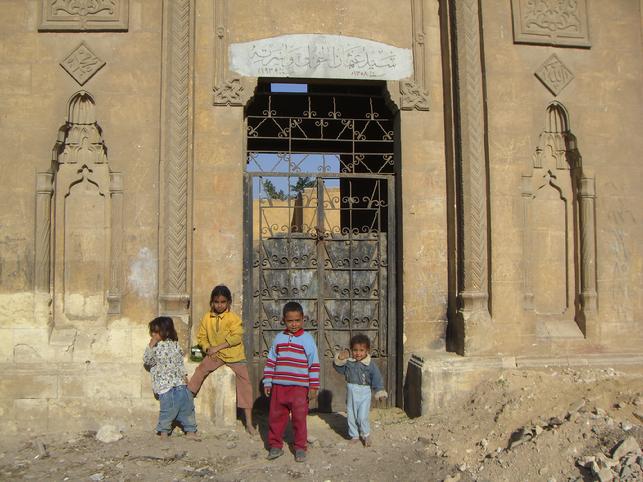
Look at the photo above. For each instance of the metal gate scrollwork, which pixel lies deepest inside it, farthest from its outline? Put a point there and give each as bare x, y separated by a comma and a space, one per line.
320, 225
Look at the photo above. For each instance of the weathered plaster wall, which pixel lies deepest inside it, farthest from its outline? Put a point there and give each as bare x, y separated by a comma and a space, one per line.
51, 378
219, 139
424, 207
604, 105
219, 159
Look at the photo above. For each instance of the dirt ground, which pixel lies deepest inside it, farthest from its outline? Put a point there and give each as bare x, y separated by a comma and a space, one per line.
536, 425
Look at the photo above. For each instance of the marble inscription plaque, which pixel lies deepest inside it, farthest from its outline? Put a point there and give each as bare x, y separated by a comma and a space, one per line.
320, 56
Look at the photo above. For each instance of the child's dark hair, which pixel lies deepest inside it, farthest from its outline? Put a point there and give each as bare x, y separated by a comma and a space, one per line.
221, 290
292, 306
164, 326
361, 339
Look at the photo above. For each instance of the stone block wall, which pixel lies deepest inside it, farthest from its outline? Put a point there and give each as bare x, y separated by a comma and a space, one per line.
140, 113
68, 397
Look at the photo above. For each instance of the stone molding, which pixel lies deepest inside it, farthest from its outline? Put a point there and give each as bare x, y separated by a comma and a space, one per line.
176, 161
62, 242
587, 204
414, 92
228, 90
551, 22
116, 245
44, 191
84, 15
473, 315
81, 63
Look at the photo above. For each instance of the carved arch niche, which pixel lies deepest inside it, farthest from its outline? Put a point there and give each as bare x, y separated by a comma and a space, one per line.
559, 234
79, 223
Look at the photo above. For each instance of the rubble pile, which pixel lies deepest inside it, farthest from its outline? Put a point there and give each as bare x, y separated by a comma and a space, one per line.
548, 425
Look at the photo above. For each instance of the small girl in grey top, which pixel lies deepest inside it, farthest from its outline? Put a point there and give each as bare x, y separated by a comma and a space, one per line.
163, 358
362, 376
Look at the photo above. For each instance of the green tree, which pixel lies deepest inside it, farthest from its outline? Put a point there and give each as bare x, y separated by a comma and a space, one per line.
301, 184
272, 192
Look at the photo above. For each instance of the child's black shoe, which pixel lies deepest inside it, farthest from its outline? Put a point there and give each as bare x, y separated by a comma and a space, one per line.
274, 453
300, 455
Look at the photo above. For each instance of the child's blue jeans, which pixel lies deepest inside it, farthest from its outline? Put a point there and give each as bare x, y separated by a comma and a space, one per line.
358, 404
177, 404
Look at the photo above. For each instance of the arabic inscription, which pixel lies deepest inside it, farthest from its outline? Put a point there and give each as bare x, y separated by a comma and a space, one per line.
320, 56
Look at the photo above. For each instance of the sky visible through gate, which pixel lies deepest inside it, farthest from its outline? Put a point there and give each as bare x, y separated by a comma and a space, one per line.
310, 164
290, 162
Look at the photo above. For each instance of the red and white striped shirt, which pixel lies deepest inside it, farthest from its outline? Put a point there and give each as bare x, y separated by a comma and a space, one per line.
292, 360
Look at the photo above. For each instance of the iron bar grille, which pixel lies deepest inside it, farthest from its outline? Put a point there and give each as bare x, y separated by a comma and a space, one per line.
320, 170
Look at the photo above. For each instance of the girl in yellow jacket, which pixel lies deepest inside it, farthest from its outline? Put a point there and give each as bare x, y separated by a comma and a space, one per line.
221, 338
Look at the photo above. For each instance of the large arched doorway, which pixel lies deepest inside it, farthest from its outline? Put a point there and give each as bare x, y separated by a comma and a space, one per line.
320, 221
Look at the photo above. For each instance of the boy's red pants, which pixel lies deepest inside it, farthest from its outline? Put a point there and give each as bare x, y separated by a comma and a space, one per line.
285, 400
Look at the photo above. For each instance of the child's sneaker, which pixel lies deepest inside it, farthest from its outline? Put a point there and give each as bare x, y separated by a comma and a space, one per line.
300, 455
192, 436
274, 453
368, 441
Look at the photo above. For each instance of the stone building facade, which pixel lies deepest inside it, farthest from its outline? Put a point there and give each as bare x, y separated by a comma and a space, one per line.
456, 178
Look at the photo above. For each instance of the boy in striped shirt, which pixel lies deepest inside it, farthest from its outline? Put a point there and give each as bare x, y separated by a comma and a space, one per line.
290, 379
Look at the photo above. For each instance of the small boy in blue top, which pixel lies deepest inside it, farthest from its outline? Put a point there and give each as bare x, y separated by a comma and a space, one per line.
362, 376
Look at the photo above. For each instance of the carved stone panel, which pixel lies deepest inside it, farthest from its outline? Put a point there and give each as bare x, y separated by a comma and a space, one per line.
551, 22
559, 233
230, 92
83, 15
82, 63
81, 226
554, 74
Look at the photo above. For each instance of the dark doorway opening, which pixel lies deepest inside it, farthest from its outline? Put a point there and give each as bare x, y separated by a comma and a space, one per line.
320, 221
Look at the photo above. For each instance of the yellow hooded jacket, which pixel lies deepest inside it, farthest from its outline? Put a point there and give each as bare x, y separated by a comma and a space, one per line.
216, 329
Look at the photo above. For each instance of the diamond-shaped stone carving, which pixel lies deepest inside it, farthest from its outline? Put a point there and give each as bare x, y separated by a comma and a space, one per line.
554, 74
82, 63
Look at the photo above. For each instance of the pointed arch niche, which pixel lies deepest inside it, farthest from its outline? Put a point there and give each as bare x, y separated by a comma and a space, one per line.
79, 224
559, 248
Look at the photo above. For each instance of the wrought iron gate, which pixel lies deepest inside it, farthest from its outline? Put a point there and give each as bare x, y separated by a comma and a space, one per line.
320, 225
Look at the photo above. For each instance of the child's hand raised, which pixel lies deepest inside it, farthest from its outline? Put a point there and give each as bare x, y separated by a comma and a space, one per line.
154, 339
344, 354
381, 395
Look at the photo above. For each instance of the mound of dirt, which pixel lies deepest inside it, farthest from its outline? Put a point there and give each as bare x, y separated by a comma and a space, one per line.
524, 425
